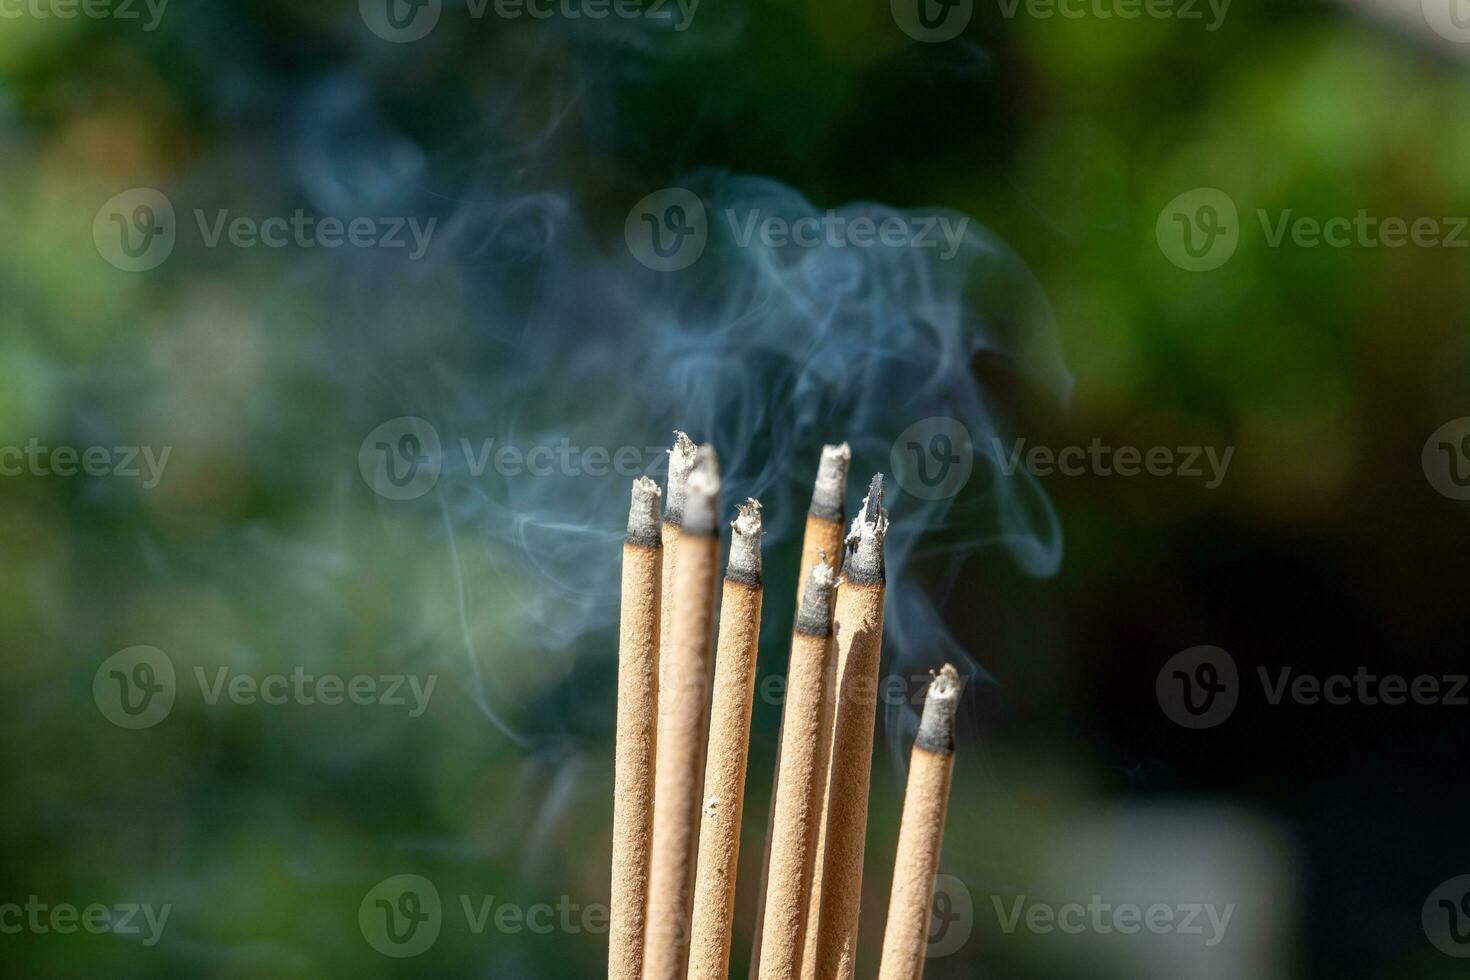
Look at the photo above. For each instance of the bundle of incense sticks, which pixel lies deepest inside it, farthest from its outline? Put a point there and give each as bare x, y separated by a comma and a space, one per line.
683, 739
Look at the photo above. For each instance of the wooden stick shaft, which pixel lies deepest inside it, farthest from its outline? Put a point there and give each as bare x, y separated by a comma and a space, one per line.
906, 936
633, 780
858, 628
670, 549
828, 708
724, 781
798, 803
823, 537
680, 741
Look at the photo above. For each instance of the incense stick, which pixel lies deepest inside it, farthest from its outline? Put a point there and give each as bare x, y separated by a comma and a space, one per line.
638, 655
681, 463
858, 630
826, 523
682, 699
823, 537
729, 742
800, 788
906, 936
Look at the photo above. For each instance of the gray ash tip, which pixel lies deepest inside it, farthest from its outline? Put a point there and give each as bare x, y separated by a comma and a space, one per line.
681, 462
863, 564
831, 485
745, 544
873, 502
702, 493
936, 724
814, 618
643, 513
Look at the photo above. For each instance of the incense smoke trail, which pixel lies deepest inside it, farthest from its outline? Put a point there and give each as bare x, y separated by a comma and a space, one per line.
530, 324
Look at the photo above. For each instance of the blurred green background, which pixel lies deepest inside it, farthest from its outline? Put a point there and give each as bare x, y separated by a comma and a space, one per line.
263, 549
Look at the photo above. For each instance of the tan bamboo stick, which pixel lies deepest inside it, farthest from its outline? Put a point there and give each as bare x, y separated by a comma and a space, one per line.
682, 456
681, 462
906, 936
797, 807
858, 629
729, 744
825, 527
637, 735
682, 698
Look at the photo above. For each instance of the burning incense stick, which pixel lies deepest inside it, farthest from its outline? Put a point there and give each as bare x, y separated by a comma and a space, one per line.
827, 522
637, 732
858, 629
682, 455
824, 521
681, 462
682, 698
907, 934
801, 786
824, 530
729, 742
